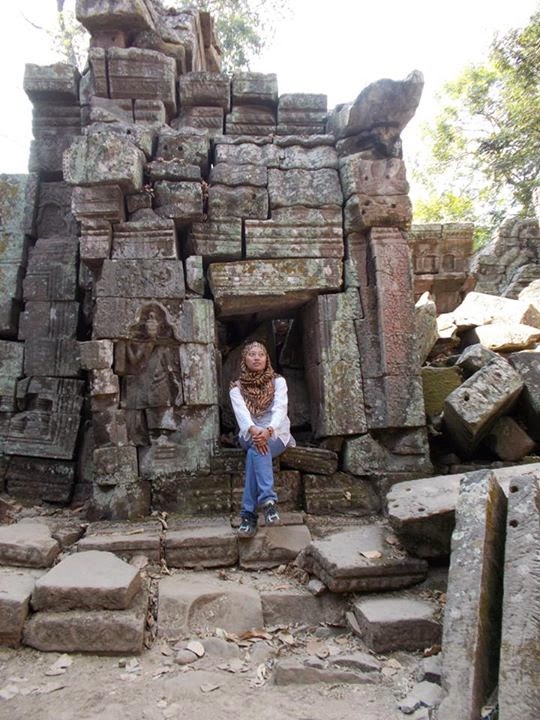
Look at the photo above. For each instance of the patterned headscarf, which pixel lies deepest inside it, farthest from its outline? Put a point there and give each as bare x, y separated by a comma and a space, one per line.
256, 386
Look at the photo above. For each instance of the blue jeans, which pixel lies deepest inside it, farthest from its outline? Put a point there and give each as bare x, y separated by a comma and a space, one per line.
259, 477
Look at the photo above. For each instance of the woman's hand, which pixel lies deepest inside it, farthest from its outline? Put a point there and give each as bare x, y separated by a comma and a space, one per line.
260, 438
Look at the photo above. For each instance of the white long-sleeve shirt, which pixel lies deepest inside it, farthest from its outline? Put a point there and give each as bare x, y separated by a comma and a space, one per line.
275, 416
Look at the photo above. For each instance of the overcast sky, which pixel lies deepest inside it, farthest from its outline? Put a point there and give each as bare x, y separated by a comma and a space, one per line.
336, 48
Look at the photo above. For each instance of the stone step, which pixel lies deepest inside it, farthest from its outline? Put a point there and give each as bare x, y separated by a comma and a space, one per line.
273, 546
201, 547
361, 559
27, 545
91, 580
124, 539
16, 587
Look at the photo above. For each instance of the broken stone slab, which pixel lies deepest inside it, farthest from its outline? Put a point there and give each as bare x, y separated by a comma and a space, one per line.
310, 459
198, 547
294, 672
361, 560
423, 694
483, 309
473, 358
437, 384
387, 624
340, 493
306, 188
385, 103
297, 605
505, 336
52, 83
91, 580
531, 294
472, 409
104, 158
527, 365
27, 545
508, 440
102, 632
368, 456
273, 546
16, 587
422, 512
519, 692
66, 530
374, 211
471, 629
194, 603
255, 286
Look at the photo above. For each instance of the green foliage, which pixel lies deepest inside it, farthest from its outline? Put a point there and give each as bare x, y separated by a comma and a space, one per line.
485, 142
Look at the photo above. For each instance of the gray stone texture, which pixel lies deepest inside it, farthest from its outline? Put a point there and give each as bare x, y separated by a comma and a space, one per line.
472, 409
307, 188
527, 364
471, 629
388, 624
38, 479
205, 88
54, 83
273, 546
509, 441
103, 202
90, 580
519, 693
123, 540
310, 460
180, 201
294, 672
102, 632
16, 587
142, 278
425, 326
246, 201
473, 358
249, 88
27, 545
340, 493
148, 237
338, 561
190, 145
199, 547
293, 605
216, 240
98, 15
192, 494
142, 74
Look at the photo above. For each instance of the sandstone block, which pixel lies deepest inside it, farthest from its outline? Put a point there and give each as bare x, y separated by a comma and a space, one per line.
293, 672
473, 358
437, 384
18, 200
273, 546
472, 614
95, 243
391, 623
151, 112
38, 479
519, 695
15, 590
338, 561
340, 493
246, 153
255, 286
366, 455
190, 494
172, 170
181, 201
198, 547
188, 144
503, 337
298, 605
28, 545
11, 369
125, 540
310, 459
308, 188
115, 466
199, 374
59, 356
151, 237
425, 325
508, 440
188, 605
246, 120
249, 88
58, 82
91, 580
54, 320
287, 484
211, 119
104, 159
528, 366
103, 632
105, 202
371, 211
237, 202
54, 217
99, 15
235, 175
216, 240
142, 74
142, 278
471, 409
96, 354
205, 88
298, 157
195, 274
483, 309
372, 177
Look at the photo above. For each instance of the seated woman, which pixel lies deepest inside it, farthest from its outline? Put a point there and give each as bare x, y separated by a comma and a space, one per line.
259, 401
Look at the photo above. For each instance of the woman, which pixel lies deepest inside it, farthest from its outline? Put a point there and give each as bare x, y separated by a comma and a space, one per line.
259, 401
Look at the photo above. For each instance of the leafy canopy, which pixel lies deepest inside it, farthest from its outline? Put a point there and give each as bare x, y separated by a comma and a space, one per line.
484, 144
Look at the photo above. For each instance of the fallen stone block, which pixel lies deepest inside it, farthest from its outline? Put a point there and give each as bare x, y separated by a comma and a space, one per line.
103, 632
198, 547
189, 604
294, 672
361, 560
423, 694
15, 590
28, 545
505, 337
483, 309
273, 546
471, 628
425, 324
298, 605
519, 691
91, 580
310, 459
397, 623
508, 440
471, 409
527, 364
358, 660
114, 15
473, 358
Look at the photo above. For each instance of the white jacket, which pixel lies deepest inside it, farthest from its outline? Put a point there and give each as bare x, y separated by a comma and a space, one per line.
275, 416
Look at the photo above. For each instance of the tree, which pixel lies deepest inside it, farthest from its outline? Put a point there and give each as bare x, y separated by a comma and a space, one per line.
484, 146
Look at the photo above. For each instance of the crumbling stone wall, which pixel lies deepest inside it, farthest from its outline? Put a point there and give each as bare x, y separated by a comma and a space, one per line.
208, 210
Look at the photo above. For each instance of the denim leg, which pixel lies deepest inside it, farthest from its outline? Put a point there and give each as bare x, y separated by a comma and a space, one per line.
259, 478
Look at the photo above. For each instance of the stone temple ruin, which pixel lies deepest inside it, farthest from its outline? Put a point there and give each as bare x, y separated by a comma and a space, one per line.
173, 212
170, 214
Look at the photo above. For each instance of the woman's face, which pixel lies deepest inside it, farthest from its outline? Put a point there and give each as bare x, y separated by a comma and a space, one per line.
255, 358
152, 325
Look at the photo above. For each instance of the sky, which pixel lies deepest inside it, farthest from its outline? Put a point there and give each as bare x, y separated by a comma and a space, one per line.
335, 48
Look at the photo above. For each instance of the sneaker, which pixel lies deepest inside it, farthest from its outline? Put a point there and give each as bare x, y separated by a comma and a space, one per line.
271, 515
247, 529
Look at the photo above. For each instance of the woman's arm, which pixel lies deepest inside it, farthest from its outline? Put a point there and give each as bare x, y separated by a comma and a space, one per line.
241, 413
280, 403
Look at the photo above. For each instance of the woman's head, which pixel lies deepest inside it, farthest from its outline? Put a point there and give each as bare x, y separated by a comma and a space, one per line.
255, 357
